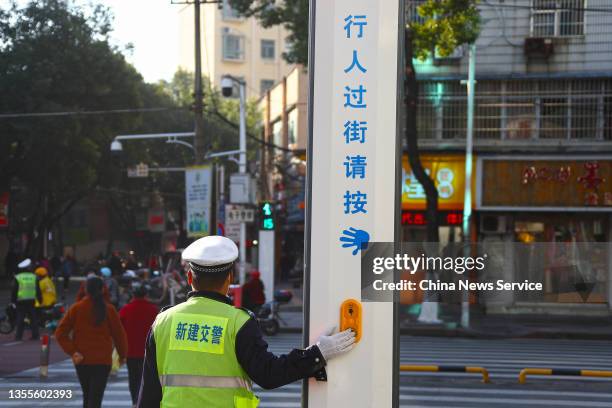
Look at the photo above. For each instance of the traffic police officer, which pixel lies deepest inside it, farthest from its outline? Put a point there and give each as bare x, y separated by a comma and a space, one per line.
25, 292
205, 352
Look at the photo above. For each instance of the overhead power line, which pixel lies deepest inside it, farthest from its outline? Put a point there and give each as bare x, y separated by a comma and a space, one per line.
82, 113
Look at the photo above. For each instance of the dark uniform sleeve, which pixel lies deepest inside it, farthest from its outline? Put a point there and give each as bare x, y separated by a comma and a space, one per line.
270, 371
150, 394
38, 291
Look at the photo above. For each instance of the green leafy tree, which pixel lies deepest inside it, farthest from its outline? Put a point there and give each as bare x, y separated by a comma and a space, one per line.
55, 57
442, 27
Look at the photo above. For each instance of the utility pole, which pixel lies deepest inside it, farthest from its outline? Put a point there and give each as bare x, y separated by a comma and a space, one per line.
242, 164
198, 106
467, 201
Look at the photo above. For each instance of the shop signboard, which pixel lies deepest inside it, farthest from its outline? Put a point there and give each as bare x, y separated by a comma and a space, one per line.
4, 210
448, 173
555, 183
198, 182
156, 220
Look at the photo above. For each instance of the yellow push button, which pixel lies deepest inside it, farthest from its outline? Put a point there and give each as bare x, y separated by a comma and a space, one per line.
350, 317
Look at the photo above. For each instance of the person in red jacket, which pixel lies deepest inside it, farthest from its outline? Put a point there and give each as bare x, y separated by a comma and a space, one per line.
253, 295
87, 333
137, 318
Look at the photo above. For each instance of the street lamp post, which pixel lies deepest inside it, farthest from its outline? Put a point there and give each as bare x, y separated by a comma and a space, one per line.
227, 86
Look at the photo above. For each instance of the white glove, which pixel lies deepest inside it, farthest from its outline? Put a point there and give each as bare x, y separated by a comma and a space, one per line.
332, 345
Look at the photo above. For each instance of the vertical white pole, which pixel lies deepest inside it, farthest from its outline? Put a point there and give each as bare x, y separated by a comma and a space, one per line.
467, 202
266, 262
242, 169
365, 376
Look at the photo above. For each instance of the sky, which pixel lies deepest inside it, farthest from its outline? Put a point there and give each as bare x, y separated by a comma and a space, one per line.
151, 26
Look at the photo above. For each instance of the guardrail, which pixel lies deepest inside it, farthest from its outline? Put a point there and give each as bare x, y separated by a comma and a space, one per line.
448, 369
561, 371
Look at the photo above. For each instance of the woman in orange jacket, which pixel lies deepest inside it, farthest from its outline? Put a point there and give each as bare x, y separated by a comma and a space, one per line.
87, 333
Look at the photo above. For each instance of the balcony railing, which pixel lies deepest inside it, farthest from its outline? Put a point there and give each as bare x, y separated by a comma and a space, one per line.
578, 109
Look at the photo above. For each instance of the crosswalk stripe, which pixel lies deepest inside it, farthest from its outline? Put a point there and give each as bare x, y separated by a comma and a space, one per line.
504, 359
529, 402
497, 391
506, 376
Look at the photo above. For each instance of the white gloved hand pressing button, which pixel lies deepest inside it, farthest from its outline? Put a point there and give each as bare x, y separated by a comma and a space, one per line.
332, 345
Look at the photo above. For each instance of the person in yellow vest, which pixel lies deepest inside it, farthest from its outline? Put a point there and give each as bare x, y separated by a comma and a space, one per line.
25, 292
47, 288
206, 353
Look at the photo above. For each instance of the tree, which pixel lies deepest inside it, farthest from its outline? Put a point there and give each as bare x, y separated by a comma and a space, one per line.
442, 27
55, 57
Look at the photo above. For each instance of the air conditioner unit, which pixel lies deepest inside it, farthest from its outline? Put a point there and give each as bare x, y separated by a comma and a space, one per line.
538, 47
451, 59
493, 224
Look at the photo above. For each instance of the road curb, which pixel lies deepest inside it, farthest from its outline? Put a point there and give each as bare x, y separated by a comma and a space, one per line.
474, 334
438, 332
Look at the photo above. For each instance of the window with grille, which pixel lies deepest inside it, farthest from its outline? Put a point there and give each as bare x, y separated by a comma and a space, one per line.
553, 109
557, 18
265, 84
233, 47
412, 11
267, 49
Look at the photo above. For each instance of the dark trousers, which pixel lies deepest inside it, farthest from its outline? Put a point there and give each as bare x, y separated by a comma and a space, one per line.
134, 366
26, 308
93, 379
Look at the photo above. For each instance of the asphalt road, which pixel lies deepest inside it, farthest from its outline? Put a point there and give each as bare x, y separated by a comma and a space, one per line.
503, 358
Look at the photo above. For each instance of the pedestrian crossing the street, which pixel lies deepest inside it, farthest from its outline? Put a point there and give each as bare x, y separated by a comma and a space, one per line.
503, 358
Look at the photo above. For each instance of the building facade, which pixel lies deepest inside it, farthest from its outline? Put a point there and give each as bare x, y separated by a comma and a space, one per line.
543, 142
233, 45
282, 175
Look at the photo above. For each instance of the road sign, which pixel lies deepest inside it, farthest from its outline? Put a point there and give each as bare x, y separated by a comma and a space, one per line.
232, 225
198, 197
353, 199
239, 213
140, 170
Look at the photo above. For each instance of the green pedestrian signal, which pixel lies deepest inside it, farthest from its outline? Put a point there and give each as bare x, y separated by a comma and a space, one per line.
267, 216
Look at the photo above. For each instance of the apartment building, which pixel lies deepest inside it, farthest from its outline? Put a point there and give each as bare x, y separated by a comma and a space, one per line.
236, 46
542, 141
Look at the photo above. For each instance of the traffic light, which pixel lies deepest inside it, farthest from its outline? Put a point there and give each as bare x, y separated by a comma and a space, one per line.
267, 216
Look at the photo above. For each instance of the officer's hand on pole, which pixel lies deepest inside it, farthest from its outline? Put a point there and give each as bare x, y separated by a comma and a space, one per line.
332, 345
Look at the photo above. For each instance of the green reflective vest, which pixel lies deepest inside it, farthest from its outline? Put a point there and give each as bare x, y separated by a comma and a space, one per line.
196, 356
27, 286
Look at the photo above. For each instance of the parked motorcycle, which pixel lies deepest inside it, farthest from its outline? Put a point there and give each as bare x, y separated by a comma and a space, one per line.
268, 314
48, 317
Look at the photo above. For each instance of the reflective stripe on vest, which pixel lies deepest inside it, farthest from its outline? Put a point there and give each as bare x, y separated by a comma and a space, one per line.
185, 380
27, 286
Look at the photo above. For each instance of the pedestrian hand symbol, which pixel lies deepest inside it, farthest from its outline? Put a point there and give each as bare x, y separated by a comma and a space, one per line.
356, 238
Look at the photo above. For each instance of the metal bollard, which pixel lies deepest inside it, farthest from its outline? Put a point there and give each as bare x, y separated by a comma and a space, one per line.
561, 371
44, 356
448, 369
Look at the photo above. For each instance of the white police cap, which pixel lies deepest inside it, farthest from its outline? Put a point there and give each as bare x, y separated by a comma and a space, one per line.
211, 254
26, 263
